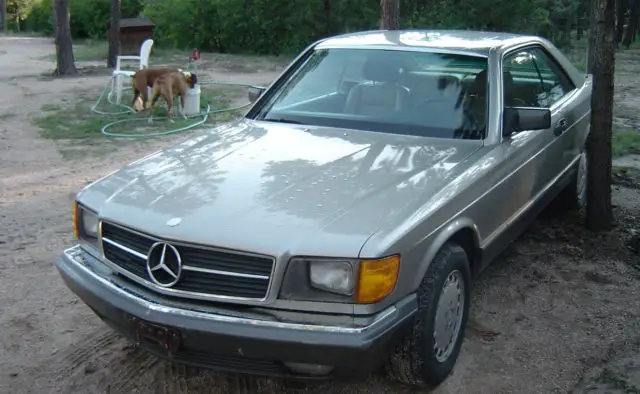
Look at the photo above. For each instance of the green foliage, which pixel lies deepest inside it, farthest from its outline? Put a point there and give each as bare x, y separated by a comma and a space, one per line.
89, 18
264, 27
287, 26
625, 141
40, 19
17, 11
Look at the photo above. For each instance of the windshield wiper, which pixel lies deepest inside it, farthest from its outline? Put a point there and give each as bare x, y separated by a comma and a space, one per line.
282, 120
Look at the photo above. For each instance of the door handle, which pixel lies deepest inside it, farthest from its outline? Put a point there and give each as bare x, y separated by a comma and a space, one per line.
560, 127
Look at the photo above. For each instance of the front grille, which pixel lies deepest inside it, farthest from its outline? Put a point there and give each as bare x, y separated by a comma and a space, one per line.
204, 271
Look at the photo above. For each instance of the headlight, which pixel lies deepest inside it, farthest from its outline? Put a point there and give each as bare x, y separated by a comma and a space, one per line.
332, 276
340, 280
85, 222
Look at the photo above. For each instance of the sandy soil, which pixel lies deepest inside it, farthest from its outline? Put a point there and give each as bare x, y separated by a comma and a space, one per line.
558, 312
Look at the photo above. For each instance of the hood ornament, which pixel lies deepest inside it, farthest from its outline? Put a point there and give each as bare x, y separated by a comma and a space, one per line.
173, 222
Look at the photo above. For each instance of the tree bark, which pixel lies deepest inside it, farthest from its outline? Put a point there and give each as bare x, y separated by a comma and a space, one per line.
621, 8
592, 36
64, 48
632, 29
114, 34
3, 15
599, 210
583, 6
328, 29
389, 14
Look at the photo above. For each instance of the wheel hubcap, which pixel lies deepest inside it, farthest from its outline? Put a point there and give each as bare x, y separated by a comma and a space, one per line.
581, 184
448, 316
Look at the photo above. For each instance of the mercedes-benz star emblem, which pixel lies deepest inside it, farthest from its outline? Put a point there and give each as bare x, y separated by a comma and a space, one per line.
164, 264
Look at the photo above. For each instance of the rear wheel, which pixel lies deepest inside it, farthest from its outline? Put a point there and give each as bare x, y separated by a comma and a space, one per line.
429, 352
574, 196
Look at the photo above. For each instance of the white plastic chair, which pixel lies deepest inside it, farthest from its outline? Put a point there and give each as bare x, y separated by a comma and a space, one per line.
118, 73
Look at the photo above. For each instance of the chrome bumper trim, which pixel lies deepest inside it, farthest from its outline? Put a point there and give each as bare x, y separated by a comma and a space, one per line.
71, 255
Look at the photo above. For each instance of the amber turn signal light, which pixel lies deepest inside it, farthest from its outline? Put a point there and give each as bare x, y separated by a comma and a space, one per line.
377, 279
74, 218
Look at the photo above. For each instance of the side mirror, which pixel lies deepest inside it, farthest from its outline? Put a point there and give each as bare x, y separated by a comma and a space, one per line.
255, 92
517, 119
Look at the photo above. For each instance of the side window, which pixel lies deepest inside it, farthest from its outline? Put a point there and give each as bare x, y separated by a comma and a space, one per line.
533, 79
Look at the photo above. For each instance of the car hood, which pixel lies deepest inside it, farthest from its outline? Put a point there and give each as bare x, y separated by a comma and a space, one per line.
277, 188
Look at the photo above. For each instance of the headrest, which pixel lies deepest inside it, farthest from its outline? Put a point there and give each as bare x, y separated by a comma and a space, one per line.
481, 80
508, 79
382, 68
446, 81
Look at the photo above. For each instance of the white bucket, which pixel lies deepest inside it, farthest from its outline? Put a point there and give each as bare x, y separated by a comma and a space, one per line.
192, 101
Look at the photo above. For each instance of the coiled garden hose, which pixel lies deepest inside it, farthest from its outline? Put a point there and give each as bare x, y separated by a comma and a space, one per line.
126, 109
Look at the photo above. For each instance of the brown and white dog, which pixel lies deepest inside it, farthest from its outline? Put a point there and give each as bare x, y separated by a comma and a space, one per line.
144, 78
170, 85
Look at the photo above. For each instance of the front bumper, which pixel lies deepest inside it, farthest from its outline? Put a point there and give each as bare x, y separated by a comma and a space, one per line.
235, 340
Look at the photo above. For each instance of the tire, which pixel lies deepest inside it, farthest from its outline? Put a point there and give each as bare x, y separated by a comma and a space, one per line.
414, 360
574, 196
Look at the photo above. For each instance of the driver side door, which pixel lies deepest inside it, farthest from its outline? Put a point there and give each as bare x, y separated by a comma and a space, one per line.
529, 160
539, 83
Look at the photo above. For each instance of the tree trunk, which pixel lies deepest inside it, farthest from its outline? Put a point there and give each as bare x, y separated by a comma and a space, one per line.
599, 211
621, 8
631, 30
389, 14
64, 48
328, 28
3, 15
583, 6
114, 34
592, 36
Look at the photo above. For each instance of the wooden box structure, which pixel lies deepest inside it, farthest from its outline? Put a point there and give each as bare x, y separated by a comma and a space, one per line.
133, 32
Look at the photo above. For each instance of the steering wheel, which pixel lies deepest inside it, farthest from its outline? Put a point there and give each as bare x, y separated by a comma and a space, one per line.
518, 102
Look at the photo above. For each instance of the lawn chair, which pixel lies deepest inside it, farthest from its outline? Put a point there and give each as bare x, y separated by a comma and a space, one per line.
119, 74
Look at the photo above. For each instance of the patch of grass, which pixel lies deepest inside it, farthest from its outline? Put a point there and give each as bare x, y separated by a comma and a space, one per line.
615, 381
79, 124
625, 176
95, 50
88, 50
26, 34
626, 141
210, 97
634, 45
50, 107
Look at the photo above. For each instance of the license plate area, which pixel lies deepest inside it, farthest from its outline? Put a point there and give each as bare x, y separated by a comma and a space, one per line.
165, 337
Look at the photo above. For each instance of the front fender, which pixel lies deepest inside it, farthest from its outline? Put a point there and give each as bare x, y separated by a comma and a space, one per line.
434, 242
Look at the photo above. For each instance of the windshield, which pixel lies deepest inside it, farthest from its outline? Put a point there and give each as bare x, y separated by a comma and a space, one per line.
405, 92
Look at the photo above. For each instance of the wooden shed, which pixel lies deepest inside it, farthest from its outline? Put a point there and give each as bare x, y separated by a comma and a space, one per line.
133, 32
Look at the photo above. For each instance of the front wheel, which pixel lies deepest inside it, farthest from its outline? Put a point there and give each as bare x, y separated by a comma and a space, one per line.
429, 352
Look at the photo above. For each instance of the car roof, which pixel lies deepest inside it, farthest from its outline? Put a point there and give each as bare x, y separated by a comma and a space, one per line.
473, 42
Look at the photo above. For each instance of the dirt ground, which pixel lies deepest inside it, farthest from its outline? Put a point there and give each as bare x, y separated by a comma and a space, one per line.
558, 312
